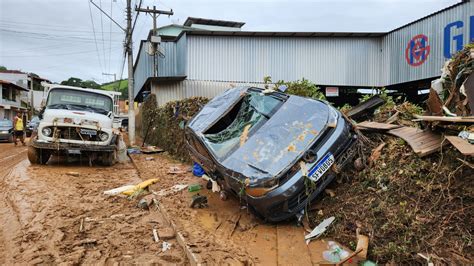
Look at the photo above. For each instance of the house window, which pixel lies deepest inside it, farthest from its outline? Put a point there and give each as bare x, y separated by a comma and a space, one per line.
4, 93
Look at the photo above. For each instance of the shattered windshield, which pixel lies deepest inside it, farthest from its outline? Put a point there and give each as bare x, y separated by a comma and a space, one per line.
233, 129
79, 100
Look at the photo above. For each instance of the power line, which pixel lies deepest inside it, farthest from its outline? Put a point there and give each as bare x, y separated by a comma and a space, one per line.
61, 54
102, 28
95, 39
110, 35
50, 36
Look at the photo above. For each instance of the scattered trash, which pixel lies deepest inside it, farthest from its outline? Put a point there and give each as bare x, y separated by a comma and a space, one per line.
165, 246
143, 204
149, 159
362, 244
76, 174
319, 230
367, 263
155, 235
469, 136
334, 253
151, 149
214, 185
141, 186
198, 201
349, 258
129, 190
194, 188
176, 170
118, 190
133, 150
197, 170
168, 191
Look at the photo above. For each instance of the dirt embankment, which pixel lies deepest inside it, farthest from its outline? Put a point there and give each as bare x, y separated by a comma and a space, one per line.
42, 209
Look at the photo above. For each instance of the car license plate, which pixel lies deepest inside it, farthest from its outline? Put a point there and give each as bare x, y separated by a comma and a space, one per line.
320, 168
72, 151
90, 132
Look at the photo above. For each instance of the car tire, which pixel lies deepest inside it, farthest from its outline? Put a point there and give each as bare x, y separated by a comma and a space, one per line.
108, 158
10, 139
38, 156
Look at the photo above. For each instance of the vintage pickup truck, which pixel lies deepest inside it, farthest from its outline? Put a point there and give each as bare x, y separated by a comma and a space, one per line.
76, 121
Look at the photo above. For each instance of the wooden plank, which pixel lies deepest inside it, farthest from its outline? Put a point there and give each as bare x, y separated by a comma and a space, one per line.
462, 145
421, 141
454, 119
367, 125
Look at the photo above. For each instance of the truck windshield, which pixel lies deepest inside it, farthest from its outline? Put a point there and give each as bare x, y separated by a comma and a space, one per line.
79, 100
241, 121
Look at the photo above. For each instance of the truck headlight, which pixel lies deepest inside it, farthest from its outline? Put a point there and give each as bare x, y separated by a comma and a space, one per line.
46, 131
103, 136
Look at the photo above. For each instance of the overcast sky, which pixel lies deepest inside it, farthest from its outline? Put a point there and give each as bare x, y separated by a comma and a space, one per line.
55, 38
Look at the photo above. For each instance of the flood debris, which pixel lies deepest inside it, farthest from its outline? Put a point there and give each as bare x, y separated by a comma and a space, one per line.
247, 141
365, 109
335, 253
132, 190
319, 230
165, 246
462, 145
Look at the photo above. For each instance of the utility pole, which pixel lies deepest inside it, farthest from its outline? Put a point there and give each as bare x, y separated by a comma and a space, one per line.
154, 13
32, 105
131, 96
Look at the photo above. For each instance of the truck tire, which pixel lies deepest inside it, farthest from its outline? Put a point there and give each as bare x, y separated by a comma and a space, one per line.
38, 156
108, 158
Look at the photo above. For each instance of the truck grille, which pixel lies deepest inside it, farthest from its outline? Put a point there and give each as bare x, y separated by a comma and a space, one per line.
74, 133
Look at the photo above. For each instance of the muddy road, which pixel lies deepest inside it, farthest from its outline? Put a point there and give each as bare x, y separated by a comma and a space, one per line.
57, 213
42, 208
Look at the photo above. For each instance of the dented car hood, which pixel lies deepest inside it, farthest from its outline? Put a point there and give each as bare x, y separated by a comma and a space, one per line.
277, 144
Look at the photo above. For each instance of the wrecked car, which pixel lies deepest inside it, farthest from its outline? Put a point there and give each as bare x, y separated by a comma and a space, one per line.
275, 151
75, 121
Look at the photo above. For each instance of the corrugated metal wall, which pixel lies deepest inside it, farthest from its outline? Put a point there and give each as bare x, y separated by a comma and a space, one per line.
170, 91
335, 61
167, 65
395, 66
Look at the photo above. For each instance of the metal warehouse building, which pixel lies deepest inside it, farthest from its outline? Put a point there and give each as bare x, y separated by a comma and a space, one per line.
204, 57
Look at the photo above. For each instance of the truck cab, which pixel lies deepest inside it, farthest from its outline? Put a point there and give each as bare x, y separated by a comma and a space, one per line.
76, 121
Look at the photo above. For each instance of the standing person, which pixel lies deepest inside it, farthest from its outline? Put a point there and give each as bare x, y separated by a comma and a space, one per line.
18, 128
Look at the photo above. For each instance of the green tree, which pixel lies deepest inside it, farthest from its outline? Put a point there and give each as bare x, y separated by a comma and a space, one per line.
77, 82
2, 68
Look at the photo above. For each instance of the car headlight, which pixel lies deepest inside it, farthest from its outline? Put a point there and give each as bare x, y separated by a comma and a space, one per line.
4, 131
47, 131
260, 187
103, 136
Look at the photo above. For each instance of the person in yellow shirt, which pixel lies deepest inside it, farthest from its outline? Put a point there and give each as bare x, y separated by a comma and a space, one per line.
18, 128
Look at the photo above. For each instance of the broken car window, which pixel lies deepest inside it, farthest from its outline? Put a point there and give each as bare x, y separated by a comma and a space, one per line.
252, 111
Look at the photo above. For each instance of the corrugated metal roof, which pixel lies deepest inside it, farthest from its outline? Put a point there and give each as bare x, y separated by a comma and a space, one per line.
13, 85
205, 21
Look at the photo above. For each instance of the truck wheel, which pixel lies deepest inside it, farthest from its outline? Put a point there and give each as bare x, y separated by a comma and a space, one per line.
38, 156
108, 158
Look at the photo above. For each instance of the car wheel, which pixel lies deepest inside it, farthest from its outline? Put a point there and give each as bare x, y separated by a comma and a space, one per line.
10, 139
108, 158
38, 156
